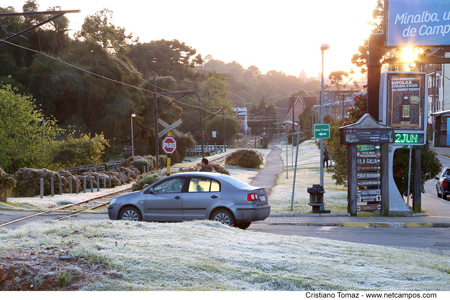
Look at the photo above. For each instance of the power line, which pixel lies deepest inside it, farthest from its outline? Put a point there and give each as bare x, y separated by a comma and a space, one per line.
110, 79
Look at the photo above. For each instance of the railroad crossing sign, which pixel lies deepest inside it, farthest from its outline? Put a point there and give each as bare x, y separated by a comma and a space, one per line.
321, 131
169, 145
170, 128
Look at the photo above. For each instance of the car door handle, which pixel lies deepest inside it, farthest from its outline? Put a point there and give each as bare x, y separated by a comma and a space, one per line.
214, 197
177, 197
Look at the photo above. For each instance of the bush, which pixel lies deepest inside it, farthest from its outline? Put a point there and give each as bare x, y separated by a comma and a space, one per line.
140, 164
28, 182
127, 162
73, 151
7, 183
245, 158
219, 169
149, 178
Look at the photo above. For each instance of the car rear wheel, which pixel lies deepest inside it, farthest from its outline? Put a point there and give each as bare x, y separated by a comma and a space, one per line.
243, 225
223, 216
130, 214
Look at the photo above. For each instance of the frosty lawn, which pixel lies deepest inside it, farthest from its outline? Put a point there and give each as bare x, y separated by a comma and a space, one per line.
205, 255
308, 173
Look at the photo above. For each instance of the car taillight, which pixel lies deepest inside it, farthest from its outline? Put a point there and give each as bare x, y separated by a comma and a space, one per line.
444, 184
252, 197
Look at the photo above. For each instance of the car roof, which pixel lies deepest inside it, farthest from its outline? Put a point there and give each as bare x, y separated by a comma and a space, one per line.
208, 174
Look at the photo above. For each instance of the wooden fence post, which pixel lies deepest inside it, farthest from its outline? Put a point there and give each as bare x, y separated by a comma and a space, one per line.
52, 187
77, 188
42, 187
60, 185
84, 184
70, 184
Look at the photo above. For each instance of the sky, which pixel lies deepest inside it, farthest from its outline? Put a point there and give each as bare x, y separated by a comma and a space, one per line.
272, 35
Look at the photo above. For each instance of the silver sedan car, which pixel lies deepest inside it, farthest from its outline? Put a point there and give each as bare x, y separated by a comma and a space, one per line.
194, 196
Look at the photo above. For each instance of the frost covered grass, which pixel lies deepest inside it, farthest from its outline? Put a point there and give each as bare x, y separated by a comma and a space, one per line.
308, 173
205, 255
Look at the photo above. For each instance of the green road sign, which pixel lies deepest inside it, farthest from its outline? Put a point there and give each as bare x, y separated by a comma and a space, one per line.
321, 131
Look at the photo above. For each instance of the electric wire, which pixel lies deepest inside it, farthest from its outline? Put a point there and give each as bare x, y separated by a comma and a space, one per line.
126, 84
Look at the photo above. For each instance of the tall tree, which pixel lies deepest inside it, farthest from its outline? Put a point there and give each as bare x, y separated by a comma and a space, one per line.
337, 77
360, 58
24, 131
101, 29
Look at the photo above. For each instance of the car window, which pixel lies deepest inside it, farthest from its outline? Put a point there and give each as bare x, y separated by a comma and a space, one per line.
199, 185
447, 173
236, 182
169, 186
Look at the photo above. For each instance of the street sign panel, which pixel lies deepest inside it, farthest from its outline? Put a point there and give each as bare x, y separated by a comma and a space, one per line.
169, 145
169, 128
321, 131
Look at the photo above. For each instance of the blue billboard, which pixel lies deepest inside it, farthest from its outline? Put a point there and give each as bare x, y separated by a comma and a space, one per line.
418, 23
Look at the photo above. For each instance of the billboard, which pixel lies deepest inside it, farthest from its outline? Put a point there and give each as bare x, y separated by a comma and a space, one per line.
417, 22
403, 105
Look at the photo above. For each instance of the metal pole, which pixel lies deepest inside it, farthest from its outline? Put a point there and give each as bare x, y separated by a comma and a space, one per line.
409, 174
292, 140
155, 104
295, 169
321, 122
132, 135
287, 159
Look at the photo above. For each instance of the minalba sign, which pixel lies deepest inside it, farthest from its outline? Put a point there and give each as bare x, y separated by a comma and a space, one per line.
417, 22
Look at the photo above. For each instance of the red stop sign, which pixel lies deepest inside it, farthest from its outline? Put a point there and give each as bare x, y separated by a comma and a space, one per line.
169, 145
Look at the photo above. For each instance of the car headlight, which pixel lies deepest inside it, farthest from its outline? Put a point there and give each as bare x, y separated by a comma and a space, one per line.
113, 201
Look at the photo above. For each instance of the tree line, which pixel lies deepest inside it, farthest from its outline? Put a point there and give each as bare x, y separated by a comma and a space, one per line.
90, 84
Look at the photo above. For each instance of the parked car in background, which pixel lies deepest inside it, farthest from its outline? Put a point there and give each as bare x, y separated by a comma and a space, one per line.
443, 183
194, 196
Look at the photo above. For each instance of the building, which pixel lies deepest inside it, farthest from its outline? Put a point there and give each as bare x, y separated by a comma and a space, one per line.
241, 113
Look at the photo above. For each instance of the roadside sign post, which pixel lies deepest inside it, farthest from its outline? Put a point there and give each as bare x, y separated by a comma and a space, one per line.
368, 179
169, 145
169, 129
321, 131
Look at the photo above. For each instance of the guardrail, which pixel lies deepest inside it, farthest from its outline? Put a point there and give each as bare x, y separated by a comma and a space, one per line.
197, 150
103, 167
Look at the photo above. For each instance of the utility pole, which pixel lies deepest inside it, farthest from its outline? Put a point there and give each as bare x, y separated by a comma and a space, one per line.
155, 103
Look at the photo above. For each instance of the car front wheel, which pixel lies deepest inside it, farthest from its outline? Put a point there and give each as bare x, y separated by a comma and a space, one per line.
223, 216
130, 214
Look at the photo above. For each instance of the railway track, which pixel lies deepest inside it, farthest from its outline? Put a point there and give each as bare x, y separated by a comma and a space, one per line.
72, 210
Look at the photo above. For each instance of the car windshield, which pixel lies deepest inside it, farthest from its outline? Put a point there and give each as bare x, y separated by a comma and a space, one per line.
169, 186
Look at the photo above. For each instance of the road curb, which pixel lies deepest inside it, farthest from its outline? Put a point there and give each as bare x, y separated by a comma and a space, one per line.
364, 224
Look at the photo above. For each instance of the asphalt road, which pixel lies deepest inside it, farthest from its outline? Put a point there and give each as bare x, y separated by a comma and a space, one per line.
433, 238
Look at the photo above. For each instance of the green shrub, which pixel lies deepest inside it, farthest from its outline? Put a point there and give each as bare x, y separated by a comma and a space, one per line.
7, 183
64, 279
148, 178
140, 164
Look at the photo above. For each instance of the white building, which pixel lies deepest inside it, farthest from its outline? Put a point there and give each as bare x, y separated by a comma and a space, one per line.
241, 113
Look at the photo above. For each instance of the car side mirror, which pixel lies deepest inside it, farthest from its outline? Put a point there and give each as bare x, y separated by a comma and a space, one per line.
437, 177
150, 190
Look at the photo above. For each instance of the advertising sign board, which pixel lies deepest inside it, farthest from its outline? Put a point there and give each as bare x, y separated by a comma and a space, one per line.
417, 22
403, 105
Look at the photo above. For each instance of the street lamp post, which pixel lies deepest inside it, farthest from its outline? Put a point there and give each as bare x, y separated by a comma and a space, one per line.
323, 47
132, 135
